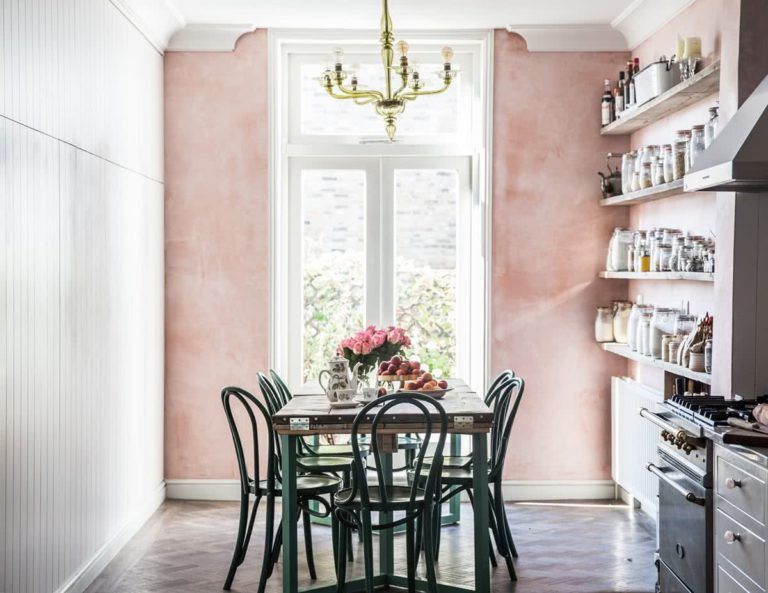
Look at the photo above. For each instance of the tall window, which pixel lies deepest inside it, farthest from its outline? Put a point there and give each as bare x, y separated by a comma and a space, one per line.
371, 232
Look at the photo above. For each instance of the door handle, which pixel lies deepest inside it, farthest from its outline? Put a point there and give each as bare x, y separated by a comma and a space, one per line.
687, 494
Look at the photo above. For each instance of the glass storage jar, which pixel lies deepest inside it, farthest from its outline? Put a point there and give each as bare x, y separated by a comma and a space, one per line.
604, 324
697, 143
685, 136
658, 171
632, 325
645, 176
621, 313
627, 169
643, 325
668, 164
680, 159
665, 255
684, 324
662, 323
618, 249
708, 356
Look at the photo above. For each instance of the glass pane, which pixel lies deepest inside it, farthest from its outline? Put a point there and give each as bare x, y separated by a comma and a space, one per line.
426, 203
333, 266
323, 115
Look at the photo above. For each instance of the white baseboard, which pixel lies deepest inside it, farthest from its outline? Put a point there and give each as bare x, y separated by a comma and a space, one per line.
80, 581
514, 490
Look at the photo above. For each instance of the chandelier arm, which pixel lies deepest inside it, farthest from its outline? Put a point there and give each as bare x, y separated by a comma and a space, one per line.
360, 101
410, 95
353, 93
372, 95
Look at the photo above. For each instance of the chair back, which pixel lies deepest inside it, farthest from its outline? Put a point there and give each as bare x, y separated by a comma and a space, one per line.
233, 398
498, 386
282, 388
269, 392
436, 430
503, 418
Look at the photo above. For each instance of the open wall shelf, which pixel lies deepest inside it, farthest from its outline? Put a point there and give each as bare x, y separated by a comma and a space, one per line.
691, 276
675, 369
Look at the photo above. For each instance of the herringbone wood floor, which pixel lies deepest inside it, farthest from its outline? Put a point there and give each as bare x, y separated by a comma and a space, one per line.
186, 548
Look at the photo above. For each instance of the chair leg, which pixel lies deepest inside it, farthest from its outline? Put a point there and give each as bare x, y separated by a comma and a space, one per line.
266, 563
511, 542
419, 533
239, 553
308, 544
345, 482
491, 554
341, 567
428, 555
334, 535
410, 554
368, 549
500, 520
437, 514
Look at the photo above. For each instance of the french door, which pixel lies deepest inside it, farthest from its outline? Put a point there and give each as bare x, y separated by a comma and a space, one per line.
384, 241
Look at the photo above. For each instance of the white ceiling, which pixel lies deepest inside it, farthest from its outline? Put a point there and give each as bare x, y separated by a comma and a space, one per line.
547, 25
411, 14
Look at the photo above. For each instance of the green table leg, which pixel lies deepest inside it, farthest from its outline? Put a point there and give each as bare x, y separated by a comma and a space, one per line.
480, 489
314, 505
290, 514
454, 505
386, 540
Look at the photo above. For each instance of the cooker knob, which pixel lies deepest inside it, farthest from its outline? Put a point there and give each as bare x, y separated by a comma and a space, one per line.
731, 537
732, 483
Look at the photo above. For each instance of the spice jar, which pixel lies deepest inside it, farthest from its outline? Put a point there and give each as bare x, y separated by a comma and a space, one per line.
680, 159
658, 170
635, 181
665, 339
645, 260
631, 258
668, 164
645, 176
665, 254
621, 313
710, 130
697, 142
604, 324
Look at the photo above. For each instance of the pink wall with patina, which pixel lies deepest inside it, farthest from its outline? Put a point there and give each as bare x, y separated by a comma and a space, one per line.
549, 243
216, 225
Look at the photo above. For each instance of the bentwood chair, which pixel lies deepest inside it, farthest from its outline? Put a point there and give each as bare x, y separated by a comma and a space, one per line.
455, 480
309, 487
359, 501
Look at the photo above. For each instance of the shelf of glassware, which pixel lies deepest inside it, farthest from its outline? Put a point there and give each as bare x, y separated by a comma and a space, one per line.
675, 369
691, 276
701, 85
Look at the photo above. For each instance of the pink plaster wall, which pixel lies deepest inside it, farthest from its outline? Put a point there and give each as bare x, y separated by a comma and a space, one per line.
216, 225
549, 242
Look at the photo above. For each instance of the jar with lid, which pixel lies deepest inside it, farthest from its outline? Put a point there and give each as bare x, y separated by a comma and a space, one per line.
662, 323
627, 169
643, 325
632, 324
631, 258
684, 256
658, 170
665, 340
685, 136
697, 143
621, 313
668, 164
604, 324
680, 159
665, 255
684, 324
645, 176
635, 185
708, 356
618, 249
710, 130
674, 351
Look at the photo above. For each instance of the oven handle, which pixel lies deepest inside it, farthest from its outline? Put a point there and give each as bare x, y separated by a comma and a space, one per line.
689, 496
658, 421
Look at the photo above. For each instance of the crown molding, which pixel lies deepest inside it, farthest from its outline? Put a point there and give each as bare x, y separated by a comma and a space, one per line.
203, 37
596, 37
156, 20
643, 18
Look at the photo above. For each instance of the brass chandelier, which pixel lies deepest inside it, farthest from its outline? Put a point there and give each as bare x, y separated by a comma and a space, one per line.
389, 104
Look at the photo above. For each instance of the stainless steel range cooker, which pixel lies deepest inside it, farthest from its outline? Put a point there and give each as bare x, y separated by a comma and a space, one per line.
685, 474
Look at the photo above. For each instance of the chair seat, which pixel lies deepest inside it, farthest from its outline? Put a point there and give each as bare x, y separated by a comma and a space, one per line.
344, 450
451, 476
324, 463
450, 462
398, 497
306, 485
403, 442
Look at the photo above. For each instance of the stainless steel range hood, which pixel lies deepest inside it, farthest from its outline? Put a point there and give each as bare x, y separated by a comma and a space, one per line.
737, 160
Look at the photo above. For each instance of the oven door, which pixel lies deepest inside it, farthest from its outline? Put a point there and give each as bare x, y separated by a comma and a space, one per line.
684, 531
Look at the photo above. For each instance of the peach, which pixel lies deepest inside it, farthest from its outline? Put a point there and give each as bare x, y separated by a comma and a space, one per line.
442, 384
411, 386
396, 360
391, 369
415, 365
427, 377
400, 373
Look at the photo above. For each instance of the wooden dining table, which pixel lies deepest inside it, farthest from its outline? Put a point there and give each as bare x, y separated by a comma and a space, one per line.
309, 413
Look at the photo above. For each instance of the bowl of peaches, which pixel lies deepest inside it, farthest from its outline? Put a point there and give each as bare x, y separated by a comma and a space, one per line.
412, 377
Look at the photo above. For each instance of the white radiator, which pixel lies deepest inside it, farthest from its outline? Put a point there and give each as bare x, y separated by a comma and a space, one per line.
634, 440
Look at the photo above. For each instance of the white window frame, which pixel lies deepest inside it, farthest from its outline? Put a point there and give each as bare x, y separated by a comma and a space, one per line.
284, 248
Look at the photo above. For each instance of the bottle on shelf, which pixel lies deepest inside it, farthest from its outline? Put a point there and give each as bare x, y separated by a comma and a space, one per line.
607, 105
619, 94
627, 83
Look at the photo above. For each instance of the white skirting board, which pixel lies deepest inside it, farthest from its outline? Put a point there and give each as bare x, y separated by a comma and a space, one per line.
514, 490
80, 581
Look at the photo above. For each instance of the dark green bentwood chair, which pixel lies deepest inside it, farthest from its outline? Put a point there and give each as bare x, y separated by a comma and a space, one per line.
455, 480
361, 499
309, 487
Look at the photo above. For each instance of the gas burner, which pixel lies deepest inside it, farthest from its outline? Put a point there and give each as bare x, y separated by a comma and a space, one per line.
710, 410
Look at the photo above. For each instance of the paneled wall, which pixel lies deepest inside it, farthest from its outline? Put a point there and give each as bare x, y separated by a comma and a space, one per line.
81, 289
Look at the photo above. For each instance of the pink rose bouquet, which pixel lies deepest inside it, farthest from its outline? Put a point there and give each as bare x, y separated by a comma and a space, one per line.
372, 345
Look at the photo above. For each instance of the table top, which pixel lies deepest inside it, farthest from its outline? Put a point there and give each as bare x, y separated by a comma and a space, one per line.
310, 413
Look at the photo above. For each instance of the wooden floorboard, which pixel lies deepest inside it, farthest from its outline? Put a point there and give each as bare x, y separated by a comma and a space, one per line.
564, 548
